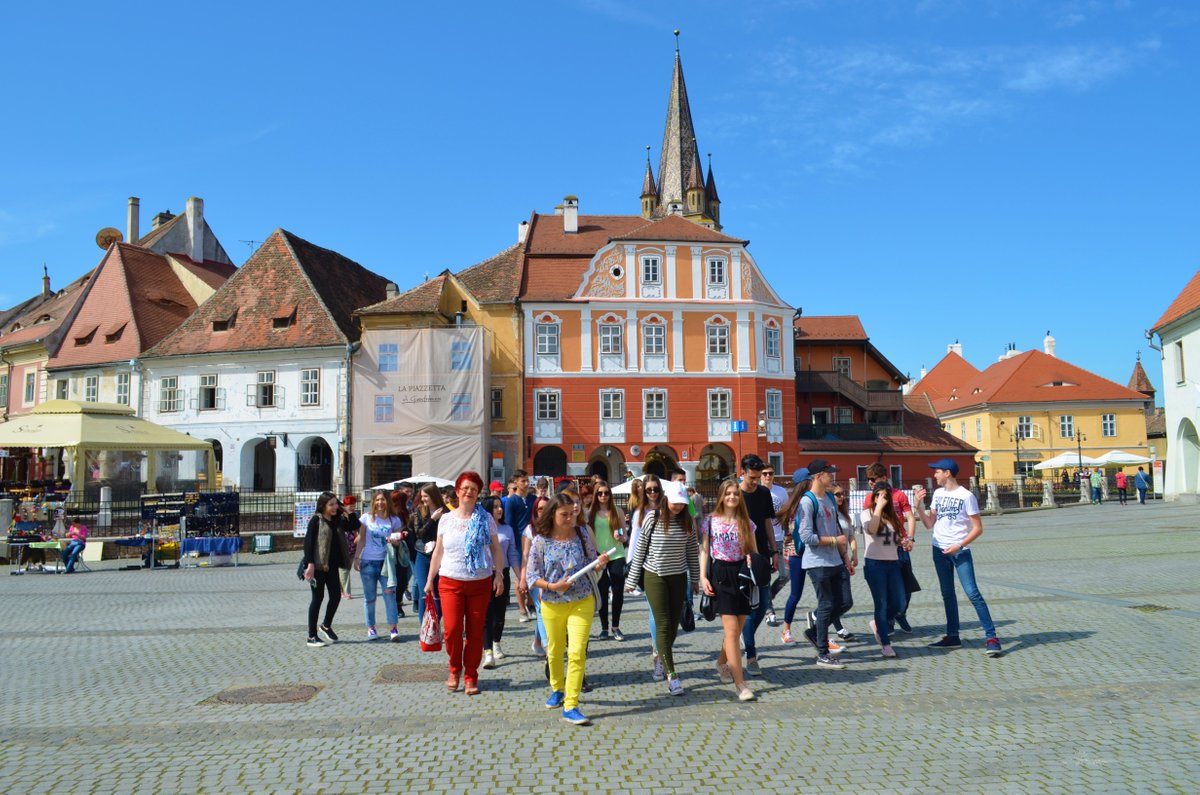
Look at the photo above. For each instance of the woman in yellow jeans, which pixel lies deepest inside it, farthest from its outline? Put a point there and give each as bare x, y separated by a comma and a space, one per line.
560, 548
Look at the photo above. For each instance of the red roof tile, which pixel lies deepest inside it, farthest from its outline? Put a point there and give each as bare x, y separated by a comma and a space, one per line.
945, 376
920, 404
1139, 381
324, 287
1187, 301
674, 227
829, 327
546, 234
425, 297
496, 280
34, 328
553, 279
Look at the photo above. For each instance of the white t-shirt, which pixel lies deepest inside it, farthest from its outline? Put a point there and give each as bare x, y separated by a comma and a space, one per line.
954, 511
453, 531
882, 545
779, 498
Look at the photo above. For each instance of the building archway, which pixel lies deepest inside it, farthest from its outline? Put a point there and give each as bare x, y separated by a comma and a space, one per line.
1187, 479
660, 460
551, 462
314, 471
715, 463
218, 454
608, 463
258, 462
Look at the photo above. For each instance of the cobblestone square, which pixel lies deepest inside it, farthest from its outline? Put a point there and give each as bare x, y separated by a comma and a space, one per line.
110, 680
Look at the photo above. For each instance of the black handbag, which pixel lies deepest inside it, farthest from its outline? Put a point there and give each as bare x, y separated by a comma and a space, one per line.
687, 620
708, 608
910, 580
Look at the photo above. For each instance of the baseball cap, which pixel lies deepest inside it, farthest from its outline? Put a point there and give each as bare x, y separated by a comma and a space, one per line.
675, 492
349, 500
800, 475
819, 465
947, 464
495, 485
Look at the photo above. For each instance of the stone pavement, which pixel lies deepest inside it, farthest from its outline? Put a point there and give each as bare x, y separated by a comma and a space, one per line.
109, 681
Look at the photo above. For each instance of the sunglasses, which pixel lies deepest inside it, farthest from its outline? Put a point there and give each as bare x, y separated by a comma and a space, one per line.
603, 493
653, 490
768, 473
839, 494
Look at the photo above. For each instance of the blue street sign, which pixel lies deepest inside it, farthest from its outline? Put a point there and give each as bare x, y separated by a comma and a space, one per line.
739, 426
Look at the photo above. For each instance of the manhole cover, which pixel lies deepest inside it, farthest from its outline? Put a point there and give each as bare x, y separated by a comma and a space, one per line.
267, 694
409, 674
1150, 608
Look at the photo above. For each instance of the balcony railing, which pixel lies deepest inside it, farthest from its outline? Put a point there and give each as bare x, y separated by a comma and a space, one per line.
849, 431
834, 381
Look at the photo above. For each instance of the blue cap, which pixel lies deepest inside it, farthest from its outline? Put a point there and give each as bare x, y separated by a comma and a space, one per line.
800, 475
947, 464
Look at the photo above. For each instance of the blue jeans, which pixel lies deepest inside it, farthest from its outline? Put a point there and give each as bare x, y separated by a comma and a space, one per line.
71, 554
754, 621
420, 573
536, 595
796, 573
372, 573
1096, 494
887, 591
945, 566
1142, 496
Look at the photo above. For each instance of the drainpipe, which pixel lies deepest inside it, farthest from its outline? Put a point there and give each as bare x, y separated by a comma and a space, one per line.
135, 368
351, 347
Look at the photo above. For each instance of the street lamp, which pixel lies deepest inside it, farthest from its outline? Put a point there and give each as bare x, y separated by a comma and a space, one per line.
1079, 440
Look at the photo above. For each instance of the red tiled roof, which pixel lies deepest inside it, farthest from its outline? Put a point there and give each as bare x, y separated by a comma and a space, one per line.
1029, 377
674, 227
947, 374
211, 272
425, 297
922, 434
829, 327
1156, 424
552, 279
324, 287
496, 280
1139, 381
546, 234
1187, 301
920, 404
59, 307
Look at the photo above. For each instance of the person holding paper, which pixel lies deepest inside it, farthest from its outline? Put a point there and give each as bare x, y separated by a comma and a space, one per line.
559, 550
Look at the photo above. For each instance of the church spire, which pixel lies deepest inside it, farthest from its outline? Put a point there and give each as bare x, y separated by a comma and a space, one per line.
649, 191
679, 150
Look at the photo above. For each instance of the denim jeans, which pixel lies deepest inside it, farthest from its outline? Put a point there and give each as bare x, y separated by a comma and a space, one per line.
372, 573
754, 621
536, 595
71, 554
945, 566
420, 573
828, 583
796, 573
1096, 494
1142, 496
887, 591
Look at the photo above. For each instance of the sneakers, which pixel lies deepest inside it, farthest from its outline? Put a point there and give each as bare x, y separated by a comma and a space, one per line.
372, 634
753, 668
835, 648
845, 634
950, 642
902, 625
674, 686
394, 636
786, 637
772, 619
658, 674
603, 635
524, 617
585, 685
556, 700
497, 653
812, 621
328, 633
829, 661
811, 635
888, 651
993, 648
617, 635
574, 716
746, 694
489, 661
536, 647
316, 643
725, 673
875, 630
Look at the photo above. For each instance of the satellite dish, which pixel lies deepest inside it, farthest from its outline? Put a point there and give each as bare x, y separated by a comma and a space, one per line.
107, 236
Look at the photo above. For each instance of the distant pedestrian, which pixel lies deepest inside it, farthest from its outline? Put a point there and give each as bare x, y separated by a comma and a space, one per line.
1122, 482
1141, 482
954, 519
425, 518
510, 561
1095, 479
325, 552
76, 537
350, 525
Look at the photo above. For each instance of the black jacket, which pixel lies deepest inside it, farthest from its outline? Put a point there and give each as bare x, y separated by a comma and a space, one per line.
339, 552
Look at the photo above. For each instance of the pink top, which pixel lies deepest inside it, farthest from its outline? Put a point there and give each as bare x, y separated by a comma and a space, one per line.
726, 541
77, 532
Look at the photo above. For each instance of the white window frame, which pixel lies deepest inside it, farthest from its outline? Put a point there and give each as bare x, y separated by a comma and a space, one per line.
257, 393
962, 430
208, 381
3, 391
843, 415
548, 405
1025, 427
655, 396
386, 403
654, 344
612, 339
310, 386
772, 342
30, 394
612, 404
843, 365
774, 404
979, 430
170, 399
1108, 425
1066, 426
718, 335
651, 269
123, 388
1180, 375
720, 399
91, 388
717, 271
389, 357
547, 338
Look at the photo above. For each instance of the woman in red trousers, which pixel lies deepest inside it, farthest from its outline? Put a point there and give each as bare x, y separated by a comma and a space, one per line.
462, 563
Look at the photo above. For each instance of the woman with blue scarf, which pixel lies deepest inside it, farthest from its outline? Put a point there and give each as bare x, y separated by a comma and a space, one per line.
467, 543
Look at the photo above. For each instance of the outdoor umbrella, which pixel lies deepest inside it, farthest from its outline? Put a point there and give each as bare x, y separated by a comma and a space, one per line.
1121, 458
1064, 460
415, 480
626, 487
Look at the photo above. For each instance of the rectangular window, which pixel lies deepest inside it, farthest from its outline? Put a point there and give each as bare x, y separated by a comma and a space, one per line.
266, 388
654, 339
896, 480
962, 430
860, 474
612, 405
718, 404
91, 388
460, 355
547, 339
61, 388
776, 460
651, 270
497, 403
718, 340
4, 391
772, 342
979, 430
1108, 424
1180, 375
1025, 427
30, 387
460, 407
123, 388
774, 404
845, 415
842, 365
310, 387
548, 406
610, 339
208, 392
389, 358
384, 408
1066, 426
169, 398
656, 405
716, 271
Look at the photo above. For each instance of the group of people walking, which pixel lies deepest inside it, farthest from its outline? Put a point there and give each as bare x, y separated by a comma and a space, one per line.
568, 565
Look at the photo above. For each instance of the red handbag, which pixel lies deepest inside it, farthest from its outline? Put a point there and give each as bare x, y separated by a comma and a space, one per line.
431, 628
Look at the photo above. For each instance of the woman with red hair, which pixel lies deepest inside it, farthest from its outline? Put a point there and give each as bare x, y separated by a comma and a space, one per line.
462, 563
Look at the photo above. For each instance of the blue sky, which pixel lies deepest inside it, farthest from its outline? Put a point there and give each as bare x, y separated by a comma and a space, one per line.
946, 169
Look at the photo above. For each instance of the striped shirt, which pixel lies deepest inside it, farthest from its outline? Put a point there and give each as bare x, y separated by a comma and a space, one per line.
665, 553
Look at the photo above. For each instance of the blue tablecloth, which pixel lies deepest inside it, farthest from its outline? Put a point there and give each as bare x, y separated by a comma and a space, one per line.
227, 545
136, 541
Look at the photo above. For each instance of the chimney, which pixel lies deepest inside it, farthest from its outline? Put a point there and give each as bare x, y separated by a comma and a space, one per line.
522, 231
195, 222
160, 219
391, 290
954, 347
131, 223
45, 282
1049, 344
570, 215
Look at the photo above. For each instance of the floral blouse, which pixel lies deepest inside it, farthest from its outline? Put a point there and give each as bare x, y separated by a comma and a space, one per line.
552, 560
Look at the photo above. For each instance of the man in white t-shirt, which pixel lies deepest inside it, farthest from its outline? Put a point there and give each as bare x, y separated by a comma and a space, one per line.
954, 520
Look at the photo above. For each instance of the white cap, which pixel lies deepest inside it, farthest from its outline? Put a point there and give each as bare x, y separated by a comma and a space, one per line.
675, 492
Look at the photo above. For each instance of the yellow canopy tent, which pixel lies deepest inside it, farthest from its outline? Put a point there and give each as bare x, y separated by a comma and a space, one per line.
100, 428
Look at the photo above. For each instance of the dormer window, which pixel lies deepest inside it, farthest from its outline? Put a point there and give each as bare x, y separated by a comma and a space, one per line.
1060, 383
115, 335
284, 317
224, 324
86, 339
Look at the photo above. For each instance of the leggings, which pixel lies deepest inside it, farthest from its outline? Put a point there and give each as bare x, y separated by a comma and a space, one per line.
612, 578
493, 625
796, 573
666, 596
323, 581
